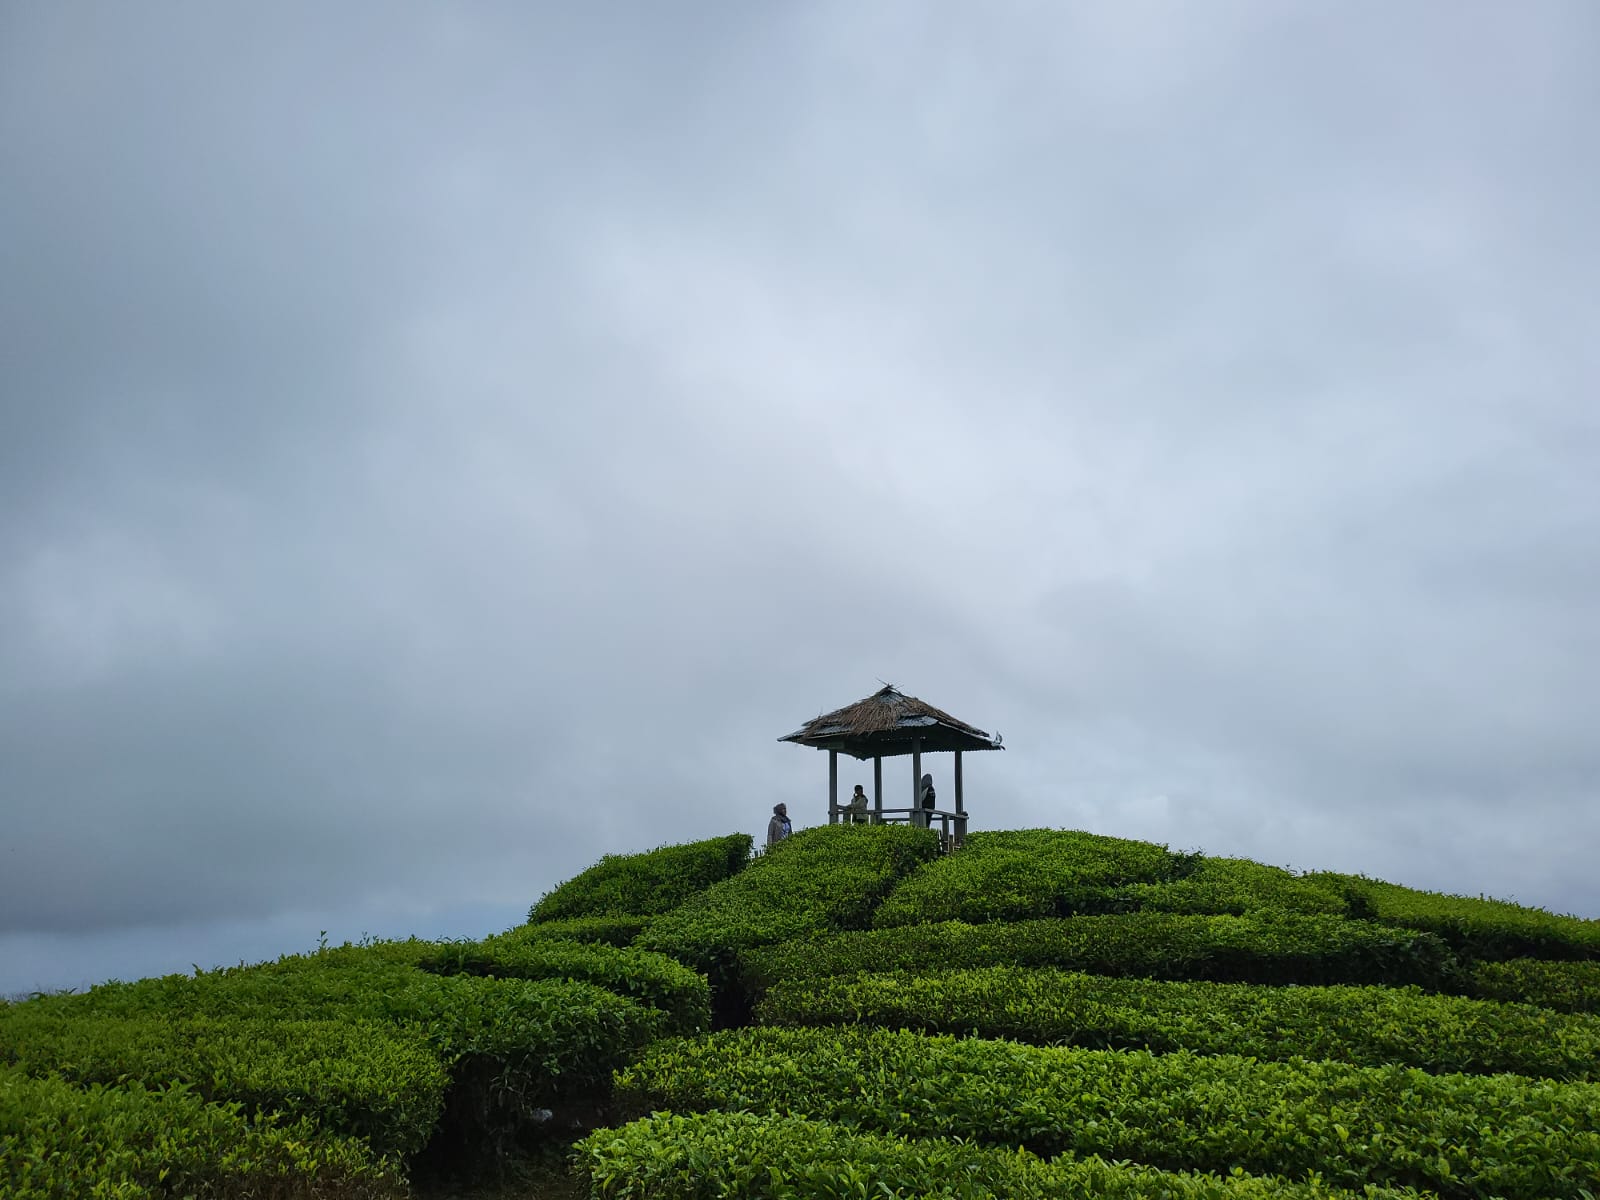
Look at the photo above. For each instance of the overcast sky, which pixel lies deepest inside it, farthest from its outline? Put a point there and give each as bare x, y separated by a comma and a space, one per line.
442, 444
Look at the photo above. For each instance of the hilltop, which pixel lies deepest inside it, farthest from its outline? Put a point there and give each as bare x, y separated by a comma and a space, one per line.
1041, 1013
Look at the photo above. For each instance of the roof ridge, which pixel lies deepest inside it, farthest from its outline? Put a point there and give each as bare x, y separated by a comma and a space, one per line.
889, 717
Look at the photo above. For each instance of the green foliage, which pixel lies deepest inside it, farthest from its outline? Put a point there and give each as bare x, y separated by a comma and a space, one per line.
1102, 950
1253, 949
59, 1142
641, 885
1236, 886
359, 955
1369, 1026
382, 1084
1457, 1135
613, 931
820, 880
1567, 986
651, 979
512, 1046
710, 1156
1016, 875
1480, 928
1026, 874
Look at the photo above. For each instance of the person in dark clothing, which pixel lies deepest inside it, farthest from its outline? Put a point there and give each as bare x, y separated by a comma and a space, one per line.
927, 801
778, 828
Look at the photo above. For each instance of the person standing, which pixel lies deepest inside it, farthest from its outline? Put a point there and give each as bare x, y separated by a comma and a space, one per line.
778, 828
855, 812
927, 800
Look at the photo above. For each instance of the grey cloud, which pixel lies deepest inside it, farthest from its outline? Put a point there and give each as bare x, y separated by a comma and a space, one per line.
440, 447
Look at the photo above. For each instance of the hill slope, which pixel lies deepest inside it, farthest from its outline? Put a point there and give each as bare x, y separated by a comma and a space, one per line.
1043, 1013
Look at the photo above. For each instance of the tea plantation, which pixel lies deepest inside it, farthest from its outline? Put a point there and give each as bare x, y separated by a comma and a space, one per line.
1041, 1014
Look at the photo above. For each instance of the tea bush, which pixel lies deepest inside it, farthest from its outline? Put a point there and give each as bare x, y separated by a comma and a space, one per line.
1480, 928
1236, 886
1016, 875
1256, 949
383, 1084
512, 1046
710, 1156
641, 885
651, 979
59, 1142
1562, 985
613, 931
1370, 1026
817, 881
1456, 1135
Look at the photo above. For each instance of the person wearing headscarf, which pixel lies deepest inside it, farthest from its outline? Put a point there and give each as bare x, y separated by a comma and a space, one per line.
855, 812
927, 799
778, 828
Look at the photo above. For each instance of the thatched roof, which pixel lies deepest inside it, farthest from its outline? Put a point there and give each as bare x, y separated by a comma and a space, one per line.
888, 723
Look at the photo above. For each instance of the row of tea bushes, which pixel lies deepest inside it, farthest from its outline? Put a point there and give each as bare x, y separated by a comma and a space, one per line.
1019, 875
513, 1047
817, 881
1235, 886
608, 930
1456, 1135
60, 1142
380, 1083
1015, 875
1479, 928
651, 979
1562, 985
1369, 1026
1255, 949
710, 1156
642, 885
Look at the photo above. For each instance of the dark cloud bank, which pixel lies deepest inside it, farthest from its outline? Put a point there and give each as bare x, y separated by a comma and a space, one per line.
440, 446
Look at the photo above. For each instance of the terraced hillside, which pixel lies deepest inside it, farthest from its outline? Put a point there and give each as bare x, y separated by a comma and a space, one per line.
1041, 1014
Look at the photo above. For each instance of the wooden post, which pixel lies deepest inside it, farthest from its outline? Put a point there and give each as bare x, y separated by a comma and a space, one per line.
961, 808
833, 787
916, 783
877, 789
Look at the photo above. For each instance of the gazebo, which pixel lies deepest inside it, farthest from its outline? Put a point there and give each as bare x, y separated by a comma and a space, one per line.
884, 724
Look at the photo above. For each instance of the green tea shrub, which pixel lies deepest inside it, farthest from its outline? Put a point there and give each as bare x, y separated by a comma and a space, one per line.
512, 1046
613, 931
1475, 1136
710, 1156
817, 881
380, 1083
1236, 886
406, 952
1566, 986
1016, 875
1279, 949
59, 1142
642, 885
1369, 1026
1479, 928
651, 979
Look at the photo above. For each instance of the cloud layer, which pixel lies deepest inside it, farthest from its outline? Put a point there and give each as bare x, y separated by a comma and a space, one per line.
440, 447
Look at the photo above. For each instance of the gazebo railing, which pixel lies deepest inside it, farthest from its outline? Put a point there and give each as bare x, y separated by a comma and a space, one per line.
952, 825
